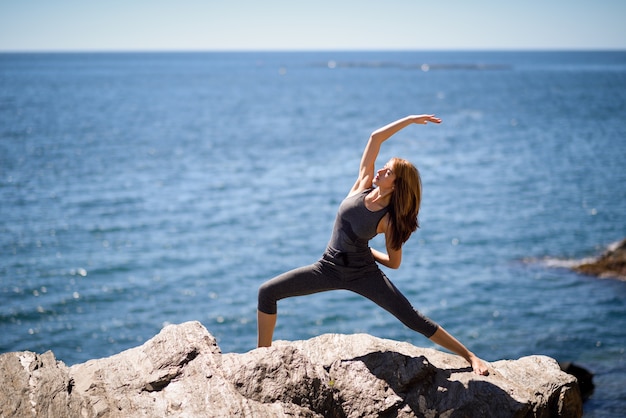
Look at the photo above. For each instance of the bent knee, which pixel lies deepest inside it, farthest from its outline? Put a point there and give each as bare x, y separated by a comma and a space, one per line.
266, 299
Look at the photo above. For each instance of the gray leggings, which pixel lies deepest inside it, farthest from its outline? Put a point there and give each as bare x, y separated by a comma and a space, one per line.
330, 273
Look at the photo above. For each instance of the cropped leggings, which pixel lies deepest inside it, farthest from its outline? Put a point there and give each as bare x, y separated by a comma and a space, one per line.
329, 273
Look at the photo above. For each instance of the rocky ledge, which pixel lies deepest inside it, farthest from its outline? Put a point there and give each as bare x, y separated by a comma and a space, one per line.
611, 264
181, 372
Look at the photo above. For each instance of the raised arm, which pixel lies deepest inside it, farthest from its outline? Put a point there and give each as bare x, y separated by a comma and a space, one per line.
368, 159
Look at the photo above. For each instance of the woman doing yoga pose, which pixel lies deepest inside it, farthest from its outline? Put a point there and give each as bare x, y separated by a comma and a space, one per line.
386, 201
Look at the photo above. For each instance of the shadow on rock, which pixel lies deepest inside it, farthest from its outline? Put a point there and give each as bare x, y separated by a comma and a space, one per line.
413, 386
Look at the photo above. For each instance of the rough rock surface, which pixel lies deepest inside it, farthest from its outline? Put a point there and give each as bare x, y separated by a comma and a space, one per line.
182, 373
611, 264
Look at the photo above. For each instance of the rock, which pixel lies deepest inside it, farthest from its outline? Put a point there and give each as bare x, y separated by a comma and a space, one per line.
182, 372
582, 375
34, 385
611, 264
382, 377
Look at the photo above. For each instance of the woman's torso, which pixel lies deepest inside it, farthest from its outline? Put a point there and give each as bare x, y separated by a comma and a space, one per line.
355, 225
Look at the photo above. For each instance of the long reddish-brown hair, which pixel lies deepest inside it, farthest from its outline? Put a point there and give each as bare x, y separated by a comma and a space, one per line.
405, 202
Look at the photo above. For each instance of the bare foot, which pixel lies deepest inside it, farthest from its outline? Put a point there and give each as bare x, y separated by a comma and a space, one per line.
479, 366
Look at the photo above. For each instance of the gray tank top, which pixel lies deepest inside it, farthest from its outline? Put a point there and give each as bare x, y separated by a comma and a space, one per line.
355, 225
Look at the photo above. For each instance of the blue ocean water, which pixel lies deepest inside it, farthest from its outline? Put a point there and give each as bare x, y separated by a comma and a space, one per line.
142, 189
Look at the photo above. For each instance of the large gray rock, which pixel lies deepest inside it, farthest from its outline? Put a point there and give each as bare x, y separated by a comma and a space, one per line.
181, 372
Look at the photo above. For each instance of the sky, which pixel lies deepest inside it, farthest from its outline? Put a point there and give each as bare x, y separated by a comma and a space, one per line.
248, 25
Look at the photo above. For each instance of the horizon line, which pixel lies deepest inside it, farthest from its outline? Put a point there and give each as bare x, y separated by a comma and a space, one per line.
318, 50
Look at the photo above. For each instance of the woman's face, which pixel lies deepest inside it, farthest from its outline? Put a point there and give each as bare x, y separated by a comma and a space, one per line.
385, 176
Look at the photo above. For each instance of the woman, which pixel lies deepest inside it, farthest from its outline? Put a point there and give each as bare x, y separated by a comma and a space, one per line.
386, 201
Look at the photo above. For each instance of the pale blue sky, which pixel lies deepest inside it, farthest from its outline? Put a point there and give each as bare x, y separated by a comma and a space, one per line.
123, 25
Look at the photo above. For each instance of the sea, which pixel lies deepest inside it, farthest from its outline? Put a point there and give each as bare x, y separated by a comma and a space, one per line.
144, 189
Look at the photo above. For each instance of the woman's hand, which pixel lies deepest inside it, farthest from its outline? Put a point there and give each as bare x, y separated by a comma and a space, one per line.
424, 119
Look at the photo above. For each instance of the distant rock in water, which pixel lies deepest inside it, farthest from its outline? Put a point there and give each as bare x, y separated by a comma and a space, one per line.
611, 264
584, 377
182, 372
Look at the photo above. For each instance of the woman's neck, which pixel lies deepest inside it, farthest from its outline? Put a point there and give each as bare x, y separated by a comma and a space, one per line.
381, 197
